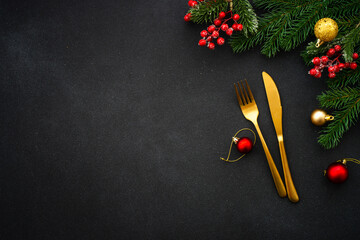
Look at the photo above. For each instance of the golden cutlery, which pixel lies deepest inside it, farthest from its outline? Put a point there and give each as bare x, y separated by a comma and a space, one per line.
250, 111
276, 114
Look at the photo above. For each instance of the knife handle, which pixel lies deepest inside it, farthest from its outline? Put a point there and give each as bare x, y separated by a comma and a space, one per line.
274, 172
290, 187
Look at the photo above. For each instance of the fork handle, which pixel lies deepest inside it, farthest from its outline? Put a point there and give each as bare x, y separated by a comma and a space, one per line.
290, 187
274, 172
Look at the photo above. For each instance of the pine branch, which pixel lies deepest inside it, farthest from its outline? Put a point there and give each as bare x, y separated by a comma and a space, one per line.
207, 11
345, 78
248, 17
350, 41
338, 98
344, 119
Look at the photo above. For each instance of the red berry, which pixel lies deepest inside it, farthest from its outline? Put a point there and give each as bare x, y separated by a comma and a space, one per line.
330, 52
337, 48
215, 34
222, 15
236, 17
220, 41
239, 27
211, 46
337, 68
192, 3
332, 75
318, 75
224, 27
347, 65
229, 31
316, 61
211, 28
187, 17
217, 22
234, 26
331, 69
353, 65
341, 65
355, 56
313, 72
204, 33
324, 59
202, 42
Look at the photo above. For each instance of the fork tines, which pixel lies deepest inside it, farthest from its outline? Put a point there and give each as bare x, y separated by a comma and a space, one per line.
245, 92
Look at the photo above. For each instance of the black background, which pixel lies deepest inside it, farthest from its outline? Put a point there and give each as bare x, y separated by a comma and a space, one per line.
113, 121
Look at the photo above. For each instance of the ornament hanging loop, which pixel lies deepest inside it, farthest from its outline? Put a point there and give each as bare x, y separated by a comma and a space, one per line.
230, 4
235, 140
329, 117
318, 43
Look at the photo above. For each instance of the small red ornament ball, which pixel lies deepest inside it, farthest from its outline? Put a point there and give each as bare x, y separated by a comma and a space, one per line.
224, 27
244, 145
236, 17
204, 33
313, 72
239, 27
337, 172
353, 65
355, 56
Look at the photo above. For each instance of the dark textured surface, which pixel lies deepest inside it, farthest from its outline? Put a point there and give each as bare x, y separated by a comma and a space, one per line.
113, 121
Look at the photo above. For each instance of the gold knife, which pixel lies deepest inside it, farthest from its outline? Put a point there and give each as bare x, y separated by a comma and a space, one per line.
273, 97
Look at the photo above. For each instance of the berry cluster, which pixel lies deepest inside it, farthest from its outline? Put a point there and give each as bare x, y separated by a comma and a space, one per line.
220, 23
192, 4
333, 66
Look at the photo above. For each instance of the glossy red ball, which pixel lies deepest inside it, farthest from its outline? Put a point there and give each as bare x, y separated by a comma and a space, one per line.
332, 74
202, 42
330, 52
324, 59
239, 27
353, 65
211, 46
217, 22
337, 172
341, 65
229, 31
204, 33
215, 34
355, 56
222, 15
224, 27
236, 17
211, 28
331, 69
337, 48
220, 41
187, 17
316, 61
244, 145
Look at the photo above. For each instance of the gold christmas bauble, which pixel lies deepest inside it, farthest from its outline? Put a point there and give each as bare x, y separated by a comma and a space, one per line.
325, 30
320, 117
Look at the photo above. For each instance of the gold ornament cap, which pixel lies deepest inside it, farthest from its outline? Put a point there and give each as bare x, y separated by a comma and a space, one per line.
320, 117
326, 29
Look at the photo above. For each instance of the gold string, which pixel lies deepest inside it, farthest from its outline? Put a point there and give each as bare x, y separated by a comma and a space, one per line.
354, 160
232, 142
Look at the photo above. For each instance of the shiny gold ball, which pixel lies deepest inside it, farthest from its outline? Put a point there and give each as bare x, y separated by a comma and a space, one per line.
320, 117
325, 30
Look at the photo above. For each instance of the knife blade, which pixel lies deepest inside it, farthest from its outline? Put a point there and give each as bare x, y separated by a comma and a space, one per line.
274, 101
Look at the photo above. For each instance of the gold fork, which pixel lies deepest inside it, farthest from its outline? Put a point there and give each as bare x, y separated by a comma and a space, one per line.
251, 112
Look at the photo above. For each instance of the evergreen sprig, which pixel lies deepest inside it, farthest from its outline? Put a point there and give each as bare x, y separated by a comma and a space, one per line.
248, 17
207, 11
347, 101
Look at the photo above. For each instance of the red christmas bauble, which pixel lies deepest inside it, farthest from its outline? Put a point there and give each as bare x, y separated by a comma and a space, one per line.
244, 145
337, 172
